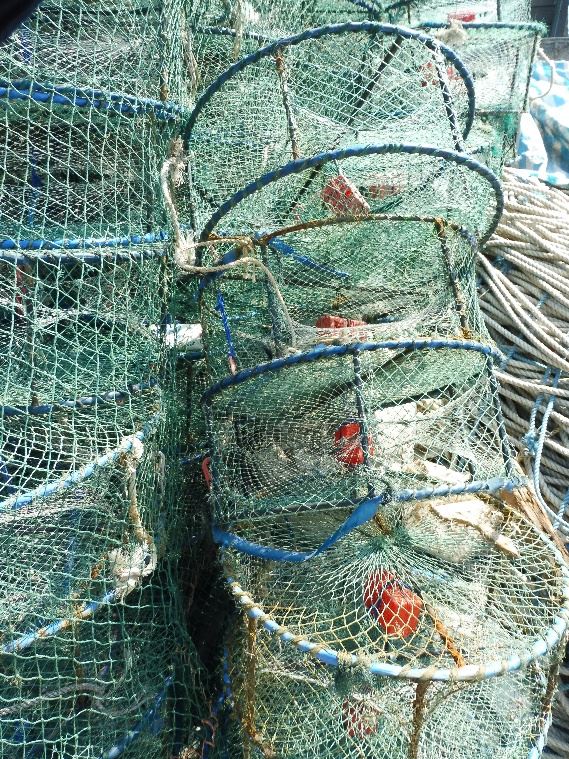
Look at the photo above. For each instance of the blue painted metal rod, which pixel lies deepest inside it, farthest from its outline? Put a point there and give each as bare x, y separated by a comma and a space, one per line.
88, 98
66, 483
362, 514
323, 351
80, 245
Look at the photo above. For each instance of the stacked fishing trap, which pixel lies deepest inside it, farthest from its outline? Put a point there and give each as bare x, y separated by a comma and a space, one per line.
398, 601
95, 655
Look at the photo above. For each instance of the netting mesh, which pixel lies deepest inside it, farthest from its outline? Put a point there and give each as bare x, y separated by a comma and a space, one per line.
125, 677
223, 31
329, 430
96, 658
353, 182
339, 283
323, 90
136, 48
415, 12
499, 58
288, 705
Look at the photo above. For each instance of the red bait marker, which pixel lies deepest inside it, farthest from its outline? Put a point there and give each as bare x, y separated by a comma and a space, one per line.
429, 74
206, 471
328, 321
465, 17
348, 444
392, 604
342, 196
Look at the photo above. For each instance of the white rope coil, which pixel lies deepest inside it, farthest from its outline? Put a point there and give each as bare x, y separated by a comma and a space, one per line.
524, 287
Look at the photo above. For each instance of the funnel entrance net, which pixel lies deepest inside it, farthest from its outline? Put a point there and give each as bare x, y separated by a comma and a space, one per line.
339, 282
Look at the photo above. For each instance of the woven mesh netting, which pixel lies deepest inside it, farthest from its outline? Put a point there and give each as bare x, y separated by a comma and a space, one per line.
95, 656
327, 88
499, 57
289, 705
135, 47
441, 584
128, 676
93, 644
346, 425
225, 30
356, 182
415, 12
337, 283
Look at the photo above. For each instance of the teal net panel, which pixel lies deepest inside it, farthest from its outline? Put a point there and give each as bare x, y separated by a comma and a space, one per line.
499, 57
322, 90
79, 323
125, 682
135, 47
287, 705
415, 12
96, 661
89, 579
337, 281
224, 31
357, 182
349, 426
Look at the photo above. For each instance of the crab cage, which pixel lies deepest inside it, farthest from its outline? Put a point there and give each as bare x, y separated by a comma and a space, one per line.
354, 182
94, 650
415, 12
324, 89
333, 250
287, 703
222, 32
499, 57
122, 681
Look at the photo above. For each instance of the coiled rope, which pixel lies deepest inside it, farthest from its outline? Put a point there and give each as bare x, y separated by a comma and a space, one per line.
524, 287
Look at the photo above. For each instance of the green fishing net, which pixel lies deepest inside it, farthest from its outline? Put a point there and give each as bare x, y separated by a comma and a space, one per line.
329, 429
356, 280
225, 30
499, 57
353, 182
96, 658
125, 678
322, 91
290, 705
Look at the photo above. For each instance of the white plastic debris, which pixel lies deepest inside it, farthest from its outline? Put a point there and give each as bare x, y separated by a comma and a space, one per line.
130, 567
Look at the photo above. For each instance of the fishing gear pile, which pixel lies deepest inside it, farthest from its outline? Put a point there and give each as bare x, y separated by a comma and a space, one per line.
327, 202
94, 650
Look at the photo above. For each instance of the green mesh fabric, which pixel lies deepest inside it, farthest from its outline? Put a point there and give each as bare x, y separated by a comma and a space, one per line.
499, 58
385, 592
294, 439
134, 47
80, 323
125, 678
344, 87
415, 12
96, 658
288, 705
385, 278
388, 179
225, 30
93, 637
